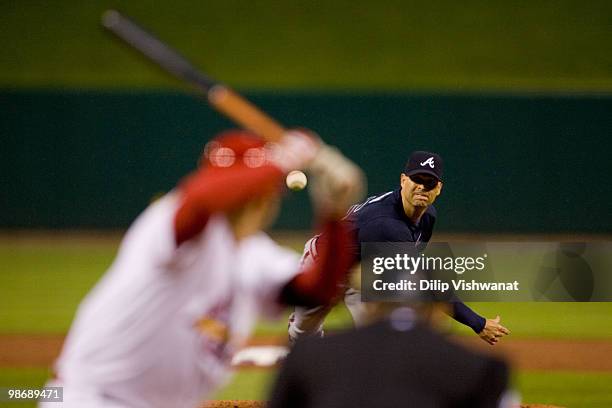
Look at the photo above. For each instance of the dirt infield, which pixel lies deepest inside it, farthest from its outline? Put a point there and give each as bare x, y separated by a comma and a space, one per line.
525, 354
260, 404
234, 404
543, 354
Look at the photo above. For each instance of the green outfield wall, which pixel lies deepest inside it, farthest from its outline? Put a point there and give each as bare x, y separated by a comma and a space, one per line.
514, 163
339, 44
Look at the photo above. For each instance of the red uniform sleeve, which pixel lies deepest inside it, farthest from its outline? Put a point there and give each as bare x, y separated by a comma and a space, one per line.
212, 190
319, 284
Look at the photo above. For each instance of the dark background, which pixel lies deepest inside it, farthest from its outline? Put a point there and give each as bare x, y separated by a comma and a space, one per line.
515, 97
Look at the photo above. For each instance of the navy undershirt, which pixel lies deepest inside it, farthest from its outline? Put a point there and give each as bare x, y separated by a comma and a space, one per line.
382, 219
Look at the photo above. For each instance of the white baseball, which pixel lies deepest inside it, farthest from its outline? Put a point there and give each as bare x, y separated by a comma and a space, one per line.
296, 180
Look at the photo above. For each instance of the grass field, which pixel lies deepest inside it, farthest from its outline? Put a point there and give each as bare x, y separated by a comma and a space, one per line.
55, 276
561, 45
570, 389
389, 46
42, 282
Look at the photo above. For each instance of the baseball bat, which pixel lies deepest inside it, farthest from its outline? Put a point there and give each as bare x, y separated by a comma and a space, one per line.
220, 96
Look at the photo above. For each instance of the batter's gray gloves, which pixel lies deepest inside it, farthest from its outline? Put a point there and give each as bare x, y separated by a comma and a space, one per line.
337, 184
296, 150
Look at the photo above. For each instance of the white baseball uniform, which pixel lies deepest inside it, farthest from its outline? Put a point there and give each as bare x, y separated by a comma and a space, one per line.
161, 326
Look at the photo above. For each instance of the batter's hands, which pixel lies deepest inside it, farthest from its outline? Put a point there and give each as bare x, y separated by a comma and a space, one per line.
493, 331
338, 182
296, 150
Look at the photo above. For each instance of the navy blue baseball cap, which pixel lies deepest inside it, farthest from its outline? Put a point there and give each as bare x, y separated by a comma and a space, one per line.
424, 163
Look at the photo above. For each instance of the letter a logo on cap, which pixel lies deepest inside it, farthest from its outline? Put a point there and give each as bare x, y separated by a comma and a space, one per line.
429, 161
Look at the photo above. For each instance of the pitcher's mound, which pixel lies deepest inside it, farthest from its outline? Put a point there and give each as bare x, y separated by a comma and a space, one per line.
260, 404
234, 404
539, 406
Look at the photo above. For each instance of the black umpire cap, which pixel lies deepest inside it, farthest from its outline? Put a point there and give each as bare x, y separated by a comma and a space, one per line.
424, 162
